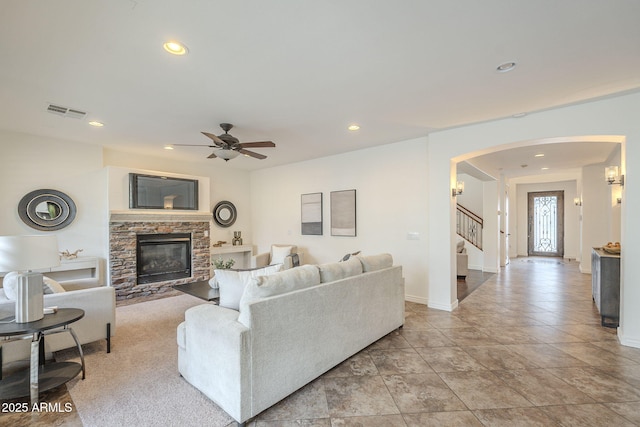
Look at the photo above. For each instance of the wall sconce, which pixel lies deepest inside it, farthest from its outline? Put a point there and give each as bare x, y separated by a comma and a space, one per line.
619, 200
458, 190
611, 174
577, 201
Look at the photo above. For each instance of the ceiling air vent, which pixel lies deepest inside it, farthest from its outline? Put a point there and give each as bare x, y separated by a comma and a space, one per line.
66, 112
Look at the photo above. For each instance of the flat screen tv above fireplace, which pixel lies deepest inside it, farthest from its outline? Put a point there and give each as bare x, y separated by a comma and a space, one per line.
162, 192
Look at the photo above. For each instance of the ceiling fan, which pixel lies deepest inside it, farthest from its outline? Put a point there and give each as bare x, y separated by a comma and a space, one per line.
228, 146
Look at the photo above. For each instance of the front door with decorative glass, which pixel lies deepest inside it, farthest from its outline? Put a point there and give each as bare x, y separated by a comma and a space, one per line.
546, 223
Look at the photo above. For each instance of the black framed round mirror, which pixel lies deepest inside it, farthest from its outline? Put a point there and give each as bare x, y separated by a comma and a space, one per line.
47, 210
225, 214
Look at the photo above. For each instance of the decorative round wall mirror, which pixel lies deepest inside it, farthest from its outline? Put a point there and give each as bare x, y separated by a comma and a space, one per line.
47, 210
224, 214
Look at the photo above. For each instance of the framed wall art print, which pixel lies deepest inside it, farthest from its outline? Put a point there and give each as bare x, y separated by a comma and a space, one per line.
311, 215
343, 213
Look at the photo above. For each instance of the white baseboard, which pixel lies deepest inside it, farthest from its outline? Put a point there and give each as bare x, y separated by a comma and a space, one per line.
475, 267
444, 307
629, 342
419, 300
491, 270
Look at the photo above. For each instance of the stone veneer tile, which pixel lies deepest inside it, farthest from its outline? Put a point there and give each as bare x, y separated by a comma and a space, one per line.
122, 254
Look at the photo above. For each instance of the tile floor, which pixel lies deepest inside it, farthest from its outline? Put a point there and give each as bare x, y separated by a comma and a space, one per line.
524, 349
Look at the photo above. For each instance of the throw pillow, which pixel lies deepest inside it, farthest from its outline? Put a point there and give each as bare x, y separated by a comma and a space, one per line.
347, 256
10, 284
279, 253
460, 246
50, 286
376, 262
233, 282
266, 286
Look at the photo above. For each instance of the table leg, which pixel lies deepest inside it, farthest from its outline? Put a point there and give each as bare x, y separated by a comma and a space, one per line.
34, 366
75, 338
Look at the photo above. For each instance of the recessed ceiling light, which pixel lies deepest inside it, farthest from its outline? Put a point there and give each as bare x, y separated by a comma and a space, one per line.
507, 66
519, 115
96, 123
539, 155
544, 169
175, 48
353, 127
168, 147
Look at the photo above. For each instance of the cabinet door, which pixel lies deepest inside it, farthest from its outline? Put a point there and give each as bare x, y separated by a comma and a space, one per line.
595, 279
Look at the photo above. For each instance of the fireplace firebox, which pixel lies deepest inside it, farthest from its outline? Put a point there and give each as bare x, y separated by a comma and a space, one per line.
162, 257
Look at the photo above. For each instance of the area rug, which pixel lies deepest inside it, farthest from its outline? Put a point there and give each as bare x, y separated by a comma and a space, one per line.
138, 382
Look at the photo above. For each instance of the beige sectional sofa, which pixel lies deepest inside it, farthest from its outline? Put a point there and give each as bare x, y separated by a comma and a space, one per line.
292, 326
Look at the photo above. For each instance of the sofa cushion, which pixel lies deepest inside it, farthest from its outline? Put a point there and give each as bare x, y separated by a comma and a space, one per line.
376, 262
50, 286
10, 285
233, 282
339, 270
285, 281
279, 253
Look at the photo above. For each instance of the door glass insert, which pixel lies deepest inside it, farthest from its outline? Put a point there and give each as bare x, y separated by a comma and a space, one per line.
546, 223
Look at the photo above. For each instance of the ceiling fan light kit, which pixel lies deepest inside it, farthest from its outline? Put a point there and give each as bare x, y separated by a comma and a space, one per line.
228, 147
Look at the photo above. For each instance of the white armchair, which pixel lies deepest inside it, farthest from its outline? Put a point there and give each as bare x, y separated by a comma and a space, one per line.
462, 260
287, 255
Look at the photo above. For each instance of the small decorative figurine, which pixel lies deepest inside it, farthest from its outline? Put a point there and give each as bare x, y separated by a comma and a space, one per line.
69, 255
237, 238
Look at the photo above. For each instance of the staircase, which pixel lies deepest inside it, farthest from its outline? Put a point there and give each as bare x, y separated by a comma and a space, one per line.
469, 226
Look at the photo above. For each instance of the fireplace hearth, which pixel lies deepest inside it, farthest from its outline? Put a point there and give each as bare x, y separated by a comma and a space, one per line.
162, 257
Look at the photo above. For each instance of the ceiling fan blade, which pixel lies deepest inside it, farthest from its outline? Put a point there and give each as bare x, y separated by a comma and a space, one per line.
252, 154
195, 145
259, 144
215, 139
212, 156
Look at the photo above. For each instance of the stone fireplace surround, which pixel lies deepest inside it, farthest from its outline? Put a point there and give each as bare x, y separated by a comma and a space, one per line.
123, 228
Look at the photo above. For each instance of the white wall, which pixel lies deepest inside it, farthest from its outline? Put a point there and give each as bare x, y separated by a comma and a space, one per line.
471, 198
391, 202
30, 163
571, 215
490, 227
225, 183
611, 119
595, 216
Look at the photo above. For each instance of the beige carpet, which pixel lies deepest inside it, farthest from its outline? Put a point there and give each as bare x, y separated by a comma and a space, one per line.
138, 383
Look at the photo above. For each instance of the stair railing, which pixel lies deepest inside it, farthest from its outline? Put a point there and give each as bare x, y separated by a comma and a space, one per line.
469, 226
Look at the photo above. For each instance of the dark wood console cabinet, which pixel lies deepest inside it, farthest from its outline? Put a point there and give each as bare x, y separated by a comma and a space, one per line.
605, 286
